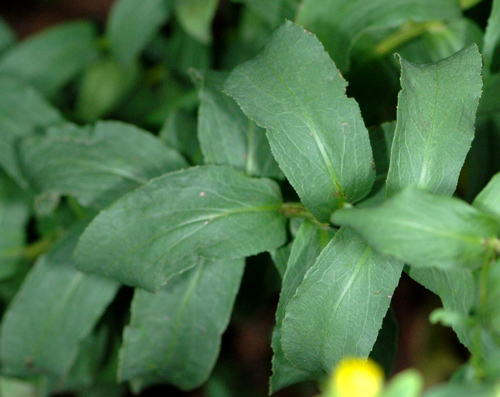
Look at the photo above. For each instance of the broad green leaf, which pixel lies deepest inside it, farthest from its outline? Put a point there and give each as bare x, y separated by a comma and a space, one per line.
445, 284
96, 165
162, 228
338, 309
104, 84
23, 112
435, 122
456, 389
7, 36
52, 58
227, 136
132, 24
196, 16
53, 312
491, 55
339, 23
174, 335
488, 200
14, 215
423, 229
307, 246
12, 387
316, 133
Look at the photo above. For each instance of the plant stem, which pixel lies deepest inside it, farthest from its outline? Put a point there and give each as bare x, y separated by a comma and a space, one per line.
34, 250
405, 33
298, 210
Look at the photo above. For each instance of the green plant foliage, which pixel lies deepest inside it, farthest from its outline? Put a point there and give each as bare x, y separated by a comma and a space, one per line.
436, 112
96, 165
54, 297
174, 335
424, 230
187, 167
131, 25
348, 284
317, 135
214, 212
53, 58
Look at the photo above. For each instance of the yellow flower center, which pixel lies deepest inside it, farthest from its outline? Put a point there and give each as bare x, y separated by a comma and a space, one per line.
355, 377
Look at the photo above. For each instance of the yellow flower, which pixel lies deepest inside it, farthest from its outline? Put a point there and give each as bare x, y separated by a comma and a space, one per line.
356, 377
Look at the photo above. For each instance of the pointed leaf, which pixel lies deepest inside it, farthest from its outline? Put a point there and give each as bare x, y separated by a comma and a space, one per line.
435, 122
306, 247
52, 58
96, 165
339, 307
424, 230
161, 229
339, 23
23, 111
14, 216
174, 335
488, 200
227, 136
132, 24
316, 133
53, 312
196, 17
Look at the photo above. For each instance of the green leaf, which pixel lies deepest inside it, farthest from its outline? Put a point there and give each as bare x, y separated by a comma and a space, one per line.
196, 16
280, 258
132, 24
7, 36
338, 309
488, 200
423, 229
227, 136
445, 284
96, 165
14, 216
307, 246
161, 229
274, 12
491, 55
23, 111
339, 23
53, 312
174, 335
104, 84
52, 58
316, 133
435, 122
406, 384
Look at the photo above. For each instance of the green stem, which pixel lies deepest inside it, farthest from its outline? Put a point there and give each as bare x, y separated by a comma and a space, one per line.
298, 210
405, 33
34, 250
466, 4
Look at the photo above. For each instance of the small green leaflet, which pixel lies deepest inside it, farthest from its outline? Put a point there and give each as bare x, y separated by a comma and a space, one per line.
227, 136
435, 122
196, 16
488, 200
445, 284
14, 216
54, 297
306, 247
162, 228
96, 165
52, 58
174, 335
339, 23
338, 309
424, 230
23, 111
316, 133
132, 24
